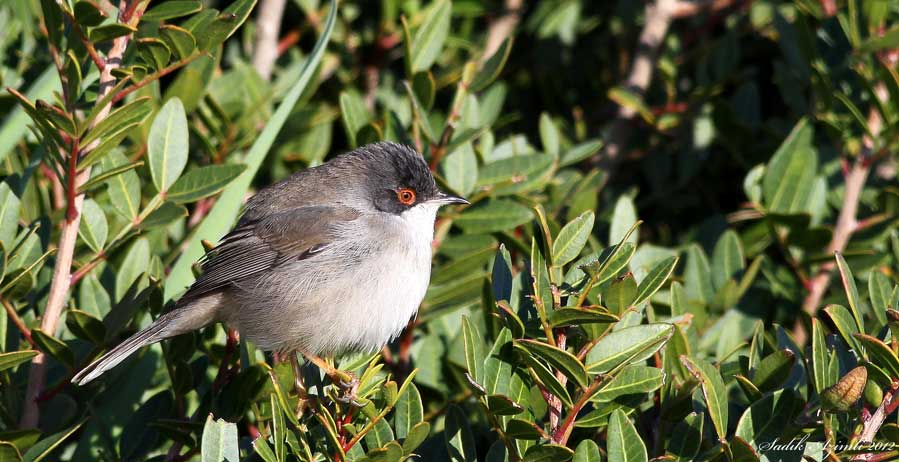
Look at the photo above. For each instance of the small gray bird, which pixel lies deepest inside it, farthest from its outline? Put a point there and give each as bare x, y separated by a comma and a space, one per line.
333, 259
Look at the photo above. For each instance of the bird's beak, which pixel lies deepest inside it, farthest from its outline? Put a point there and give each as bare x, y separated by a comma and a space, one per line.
444, 198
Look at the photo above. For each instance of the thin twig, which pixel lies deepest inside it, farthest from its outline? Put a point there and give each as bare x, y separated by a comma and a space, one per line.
502, 27
847, 222
61, 281
156, 76
268, 27
23, 329
659, 15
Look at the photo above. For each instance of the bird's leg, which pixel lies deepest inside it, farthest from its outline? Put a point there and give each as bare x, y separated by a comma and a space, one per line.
298, 385
346, 381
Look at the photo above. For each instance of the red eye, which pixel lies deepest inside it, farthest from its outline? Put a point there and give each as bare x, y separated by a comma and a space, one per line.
406, 196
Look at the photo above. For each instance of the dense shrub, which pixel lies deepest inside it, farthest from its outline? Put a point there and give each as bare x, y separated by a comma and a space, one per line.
681, 243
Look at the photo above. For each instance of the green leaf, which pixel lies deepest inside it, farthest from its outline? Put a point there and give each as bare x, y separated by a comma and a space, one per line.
851, 291
727, 260
889, 39
9, 215
560, 359
698, 276
713, 390
580, 152
512, 169
93, 228
110, 31
492, 67
353, 114
495, 215
880, 354
655, 279
88, 13
610, 262
623, 442
202, 182
686, 438
880, 293
13, 359
460, 169
567, 316
430, 36
458, 437
846, 326
264, 450
219, 441
587, 451
549, 135
9, 452
774, 370
425, 87
222, 216
86, 326
179, 40
53, 347
168, 145
631, 380
46, 446
408, 411
626, 98
172, 9
623, 219
156, 53
226, 23
136, 263
572, 238
547, 453
789, 175
627, 346
474, 351
118, 121
765, 419
124, 189
621, 294
503, 405
523, 429
819, 357
546, 378
416, 435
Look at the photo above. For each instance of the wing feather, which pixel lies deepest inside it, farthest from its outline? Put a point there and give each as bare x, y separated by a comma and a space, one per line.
259, 245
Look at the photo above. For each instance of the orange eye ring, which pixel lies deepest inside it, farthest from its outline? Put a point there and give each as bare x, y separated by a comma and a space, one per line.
406, 196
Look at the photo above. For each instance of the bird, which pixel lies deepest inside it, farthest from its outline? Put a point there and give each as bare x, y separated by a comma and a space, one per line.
331, 260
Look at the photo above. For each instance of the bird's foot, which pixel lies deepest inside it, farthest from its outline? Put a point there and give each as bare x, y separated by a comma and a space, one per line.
347, 385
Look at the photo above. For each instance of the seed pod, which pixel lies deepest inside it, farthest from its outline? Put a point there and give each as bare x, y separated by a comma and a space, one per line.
844, 394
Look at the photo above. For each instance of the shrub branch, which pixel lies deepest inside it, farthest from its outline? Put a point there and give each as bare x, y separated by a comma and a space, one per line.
61, 280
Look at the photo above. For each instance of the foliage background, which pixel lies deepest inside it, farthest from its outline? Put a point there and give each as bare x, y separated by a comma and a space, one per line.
754, 139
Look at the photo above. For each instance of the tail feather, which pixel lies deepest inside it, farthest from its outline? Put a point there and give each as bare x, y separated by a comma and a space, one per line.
148, 336
195, 315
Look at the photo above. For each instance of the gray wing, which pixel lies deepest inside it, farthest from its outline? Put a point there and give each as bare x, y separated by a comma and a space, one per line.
255, 246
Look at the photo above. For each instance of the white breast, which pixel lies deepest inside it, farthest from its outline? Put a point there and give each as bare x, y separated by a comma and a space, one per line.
373, 300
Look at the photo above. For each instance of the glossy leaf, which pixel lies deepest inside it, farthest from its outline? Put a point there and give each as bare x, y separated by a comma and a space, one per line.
430, 36
571, 239
496, 215
713, 390
167, 144
656, 278
219, 441
627, 346
13, 359
623, 442
202, 182
560, 359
